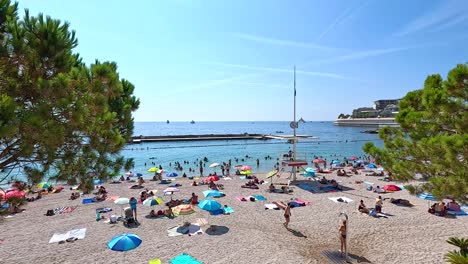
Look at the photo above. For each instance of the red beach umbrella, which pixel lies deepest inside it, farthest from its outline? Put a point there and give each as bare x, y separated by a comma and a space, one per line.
212, 178
246, 167
319, 161
14, 193
391, 188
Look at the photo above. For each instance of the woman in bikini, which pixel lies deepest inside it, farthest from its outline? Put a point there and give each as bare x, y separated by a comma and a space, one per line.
287, 215
343, 232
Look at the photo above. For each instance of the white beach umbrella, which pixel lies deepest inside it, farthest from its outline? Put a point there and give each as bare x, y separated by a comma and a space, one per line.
214, 165
121, 202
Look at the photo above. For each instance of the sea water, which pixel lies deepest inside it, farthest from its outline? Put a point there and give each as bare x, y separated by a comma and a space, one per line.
333, 142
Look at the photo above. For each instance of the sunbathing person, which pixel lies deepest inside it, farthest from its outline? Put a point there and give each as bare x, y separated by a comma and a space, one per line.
379, 190
341, 173
168, 212
193, 199
74, 195
323, 180
122, 178
362, 208
454, 206
194, 183
440, 209
272, 188
403, 202
152, 214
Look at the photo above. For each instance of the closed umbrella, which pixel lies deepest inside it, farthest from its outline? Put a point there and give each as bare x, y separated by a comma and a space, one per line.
209, 205
124, 242
212, 193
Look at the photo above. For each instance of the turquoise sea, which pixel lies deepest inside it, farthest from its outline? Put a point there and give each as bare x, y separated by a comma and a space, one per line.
333, 142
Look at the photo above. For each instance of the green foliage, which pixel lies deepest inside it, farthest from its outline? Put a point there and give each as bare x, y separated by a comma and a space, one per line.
432, 141
58, 116
458, 256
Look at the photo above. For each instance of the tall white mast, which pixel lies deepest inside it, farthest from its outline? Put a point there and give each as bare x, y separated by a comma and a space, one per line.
295, 126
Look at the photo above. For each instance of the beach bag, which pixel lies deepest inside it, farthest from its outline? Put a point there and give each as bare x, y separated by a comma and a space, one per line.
50, 212
369, 188
372, 213
252, 199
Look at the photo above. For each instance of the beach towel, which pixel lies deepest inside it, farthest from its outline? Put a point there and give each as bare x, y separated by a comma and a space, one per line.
194, 229
184, 259
368, 182
228, 210
103, 210
155, 261
201, 221
112, 198
330, 189
242, 177
259, 198
296, 204
88, 200
241, 198
217, 212
227, 178
341, 199
64, 210
75, 233
174, 231
271, 206
302, 201
463, 211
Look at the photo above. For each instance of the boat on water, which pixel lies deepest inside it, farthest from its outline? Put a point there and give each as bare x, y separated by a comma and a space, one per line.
279, 132
167, 122
192, 122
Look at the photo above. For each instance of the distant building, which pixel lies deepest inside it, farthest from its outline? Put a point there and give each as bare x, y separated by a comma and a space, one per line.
382, 104
365, 112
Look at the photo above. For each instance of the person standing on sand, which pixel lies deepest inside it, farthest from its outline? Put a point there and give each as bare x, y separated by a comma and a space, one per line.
287, 215
378, 204
343, 231
133, 206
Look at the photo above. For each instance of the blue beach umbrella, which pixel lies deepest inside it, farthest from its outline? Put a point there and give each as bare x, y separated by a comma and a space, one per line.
371, 166
427, 196
172, 174
212, 193
336, 162
97, 182
124, 242
209, 205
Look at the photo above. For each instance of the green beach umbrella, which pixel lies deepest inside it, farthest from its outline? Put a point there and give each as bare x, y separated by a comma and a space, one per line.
153, 169
44, 185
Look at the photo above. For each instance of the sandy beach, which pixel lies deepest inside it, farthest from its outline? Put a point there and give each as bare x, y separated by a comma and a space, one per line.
254, 235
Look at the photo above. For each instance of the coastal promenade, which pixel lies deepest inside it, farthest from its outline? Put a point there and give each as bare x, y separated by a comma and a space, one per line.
366, 122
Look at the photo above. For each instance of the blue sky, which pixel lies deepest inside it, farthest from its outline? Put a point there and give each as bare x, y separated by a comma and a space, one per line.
226, 60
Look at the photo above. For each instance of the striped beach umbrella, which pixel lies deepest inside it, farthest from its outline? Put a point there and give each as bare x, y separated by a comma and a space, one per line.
152, 201
44, 185
183, 209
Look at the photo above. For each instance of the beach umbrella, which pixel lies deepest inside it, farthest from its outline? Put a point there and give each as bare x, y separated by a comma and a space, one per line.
238, 166
309, 174
153, 169
353, 158
124, 242
371, 166
152, 201
272, 173
427, 196
172, 189
122, 201
44, 185
245, 167
336, 162
172, 174
319, 161
212, 193
14, 193
246, 172
214, 165
209, 205
97, 182
391, 188
155, 261
212, 178
130, 174
359, 161
183, 209
309, 169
